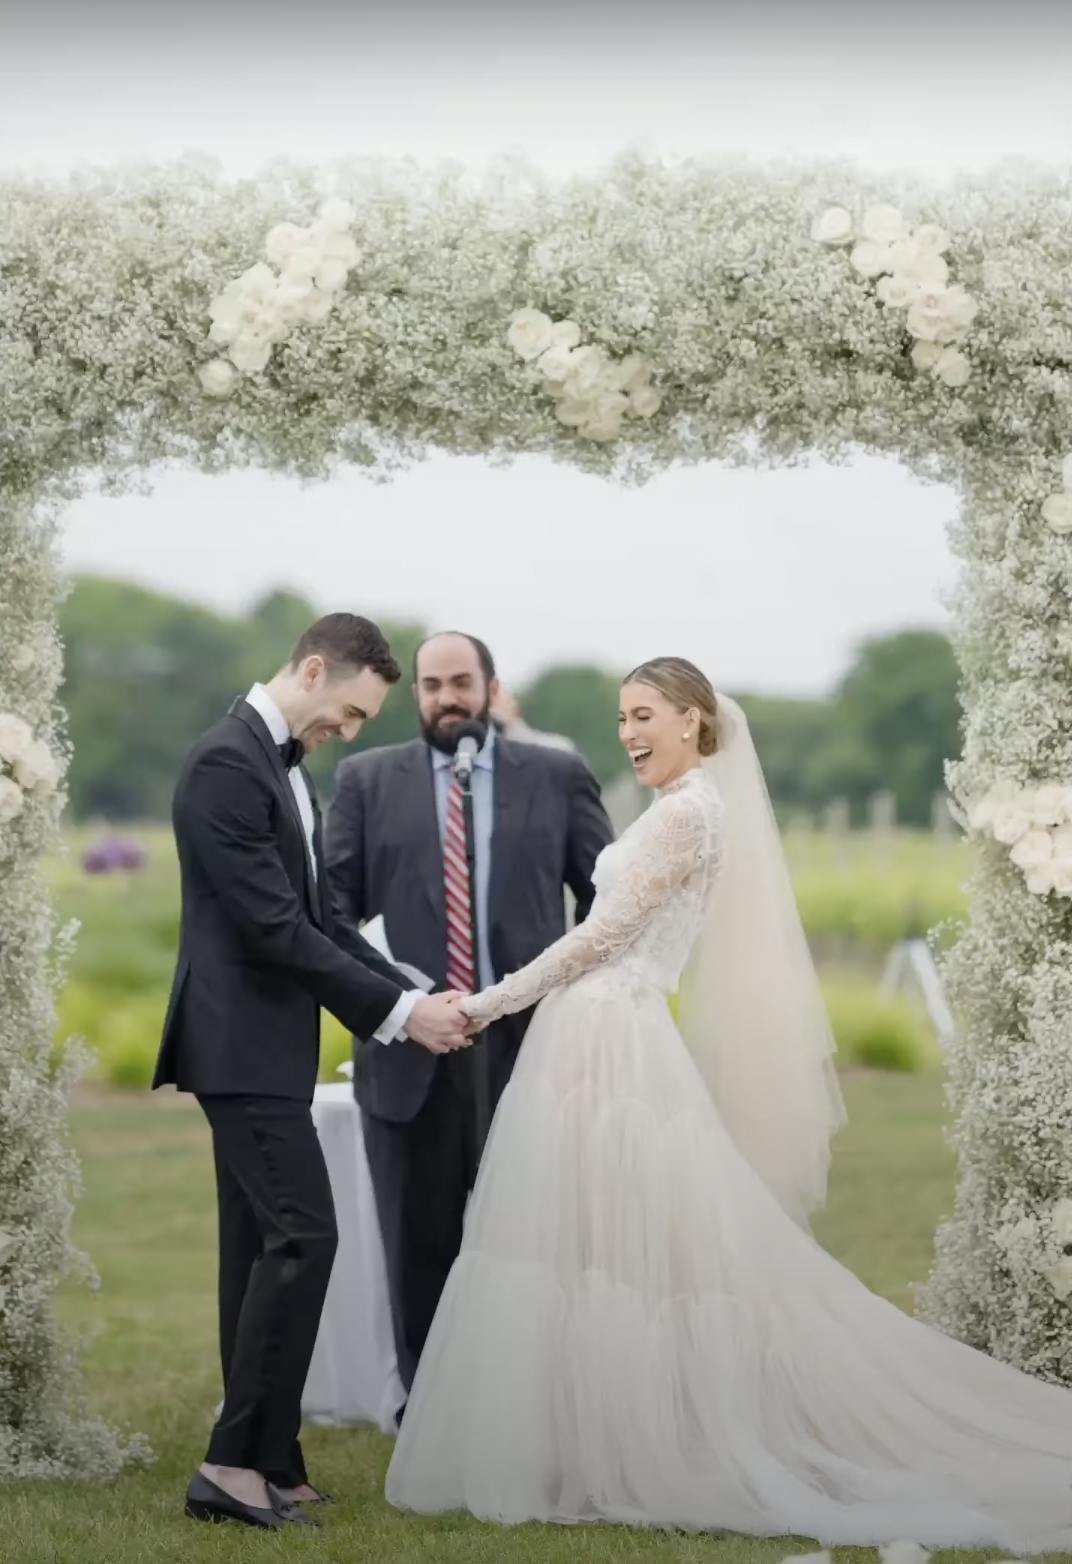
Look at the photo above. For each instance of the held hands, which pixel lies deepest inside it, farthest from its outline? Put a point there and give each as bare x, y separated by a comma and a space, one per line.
439, 1024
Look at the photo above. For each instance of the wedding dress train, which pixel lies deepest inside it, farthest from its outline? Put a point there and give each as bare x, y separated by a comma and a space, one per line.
636, 1331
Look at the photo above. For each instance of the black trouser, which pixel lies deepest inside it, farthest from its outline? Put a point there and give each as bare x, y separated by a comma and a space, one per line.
422, 1172
277, 1245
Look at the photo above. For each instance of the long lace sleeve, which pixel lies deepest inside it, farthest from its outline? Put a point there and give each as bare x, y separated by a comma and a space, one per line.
674, 844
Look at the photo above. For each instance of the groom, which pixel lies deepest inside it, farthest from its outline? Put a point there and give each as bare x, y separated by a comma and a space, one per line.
259, 954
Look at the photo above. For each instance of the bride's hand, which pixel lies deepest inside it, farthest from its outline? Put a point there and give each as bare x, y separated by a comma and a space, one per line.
467, 1004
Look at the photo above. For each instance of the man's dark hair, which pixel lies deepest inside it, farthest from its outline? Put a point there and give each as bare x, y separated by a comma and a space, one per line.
348, 641
484, 657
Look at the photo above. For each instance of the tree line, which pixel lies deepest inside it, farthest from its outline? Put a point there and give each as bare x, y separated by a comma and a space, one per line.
146, 672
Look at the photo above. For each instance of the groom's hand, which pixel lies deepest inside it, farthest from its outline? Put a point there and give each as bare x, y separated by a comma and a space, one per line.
437, 1024
471, 1027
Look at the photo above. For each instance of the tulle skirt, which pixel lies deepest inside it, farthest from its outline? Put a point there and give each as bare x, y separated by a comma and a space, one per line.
636, 1332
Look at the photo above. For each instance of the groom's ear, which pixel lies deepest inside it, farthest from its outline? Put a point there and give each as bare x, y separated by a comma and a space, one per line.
312, 670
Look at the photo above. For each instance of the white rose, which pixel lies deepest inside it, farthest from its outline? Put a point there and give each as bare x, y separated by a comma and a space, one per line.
331, 275
565, 334
1033, 849
834, 226
303, 262
633, 372
926, 315
1062, 836
1066, 473
870, 259
1057, 512
1011, 822
645, 401
588, 366
250, 354
290, 300
602, 429
897, 291
926, 354
573, 411
339, 247
1061, 869
11, 800
920, 266
336, 213
256, 282
1040, 881
555, 363
217, 377
282, 241
38, 769
953, 368
1049, 806
225, 328
1059, 1277
929, 236
882, 224
960, 306
529, 333
317, 307
16, 736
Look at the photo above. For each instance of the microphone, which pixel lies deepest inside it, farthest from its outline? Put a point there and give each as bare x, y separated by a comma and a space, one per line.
469, 740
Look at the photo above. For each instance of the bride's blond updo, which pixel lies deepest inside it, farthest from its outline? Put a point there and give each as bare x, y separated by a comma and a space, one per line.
683, 685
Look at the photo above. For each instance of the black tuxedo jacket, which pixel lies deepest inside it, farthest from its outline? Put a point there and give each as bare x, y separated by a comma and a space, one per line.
259, 952
384, 855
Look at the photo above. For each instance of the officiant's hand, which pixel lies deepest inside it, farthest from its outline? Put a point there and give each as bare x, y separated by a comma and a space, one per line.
437, 1024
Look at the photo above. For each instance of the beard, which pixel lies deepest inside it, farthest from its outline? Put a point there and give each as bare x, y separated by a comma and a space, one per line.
443, 738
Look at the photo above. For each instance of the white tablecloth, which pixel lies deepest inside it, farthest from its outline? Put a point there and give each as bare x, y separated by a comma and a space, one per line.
353, 1377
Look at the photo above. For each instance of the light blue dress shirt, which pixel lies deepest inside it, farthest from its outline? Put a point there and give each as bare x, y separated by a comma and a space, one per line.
483, 820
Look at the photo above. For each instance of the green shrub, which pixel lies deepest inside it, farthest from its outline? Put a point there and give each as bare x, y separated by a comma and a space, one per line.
877, 1032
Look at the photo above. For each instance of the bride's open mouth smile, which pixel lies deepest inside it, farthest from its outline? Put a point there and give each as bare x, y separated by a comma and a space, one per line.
638, 757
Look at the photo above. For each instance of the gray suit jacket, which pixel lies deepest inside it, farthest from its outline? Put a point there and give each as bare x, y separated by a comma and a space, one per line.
383, 854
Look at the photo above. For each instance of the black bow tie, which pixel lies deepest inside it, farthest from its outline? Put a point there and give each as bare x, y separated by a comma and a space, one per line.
291, 753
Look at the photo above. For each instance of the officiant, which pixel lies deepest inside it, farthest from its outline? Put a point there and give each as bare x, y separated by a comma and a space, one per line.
467, 865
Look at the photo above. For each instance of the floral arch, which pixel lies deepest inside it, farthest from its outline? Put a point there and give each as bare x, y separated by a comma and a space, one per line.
698, 313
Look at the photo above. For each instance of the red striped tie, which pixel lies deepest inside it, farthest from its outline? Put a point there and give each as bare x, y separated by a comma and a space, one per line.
460, 974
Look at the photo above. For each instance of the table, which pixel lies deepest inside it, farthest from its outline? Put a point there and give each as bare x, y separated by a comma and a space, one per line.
353, 1377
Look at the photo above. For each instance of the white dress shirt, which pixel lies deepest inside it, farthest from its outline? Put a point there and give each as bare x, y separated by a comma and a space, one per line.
279, 729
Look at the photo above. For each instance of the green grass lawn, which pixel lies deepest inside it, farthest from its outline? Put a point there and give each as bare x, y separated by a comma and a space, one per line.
148, 1219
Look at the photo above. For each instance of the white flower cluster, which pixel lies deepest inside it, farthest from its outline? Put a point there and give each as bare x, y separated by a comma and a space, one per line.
912, 274
1057, 508
1036, 824
593, 392
262, 307
1040, 1245
27, 765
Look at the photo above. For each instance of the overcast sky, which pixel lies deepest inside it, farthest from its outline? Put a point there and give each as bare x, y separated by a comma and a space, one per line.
767, 579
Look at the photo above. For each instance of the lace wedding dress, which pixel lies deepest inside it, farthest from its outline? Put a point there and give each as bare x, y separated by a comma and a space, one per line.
636, 1331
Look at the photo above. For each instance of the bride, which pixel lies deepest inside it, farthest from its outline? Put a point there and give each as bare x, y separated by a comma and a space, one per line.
640, 1327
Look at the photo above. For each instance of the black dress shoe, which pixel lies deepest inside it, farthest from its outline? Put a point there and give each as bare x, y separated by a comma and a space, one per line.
207, 1502
288, 1511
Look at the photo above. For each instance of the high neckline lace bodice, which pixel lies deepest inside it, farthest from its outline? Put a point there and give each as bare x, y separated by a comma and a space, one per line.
651, 890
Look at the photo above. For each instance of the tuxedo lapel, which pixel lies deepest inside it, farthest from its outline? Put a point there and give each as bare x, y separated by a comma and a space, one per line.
511, 792
416, 805
255, 723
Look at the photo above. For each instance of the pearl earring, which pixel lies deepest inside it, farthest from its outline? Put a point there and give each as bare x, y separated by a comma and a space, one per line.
684, 738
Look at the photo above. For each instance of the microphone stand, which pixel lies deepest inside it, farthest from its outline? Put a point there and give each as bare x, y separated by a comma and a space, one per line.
478, 1051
